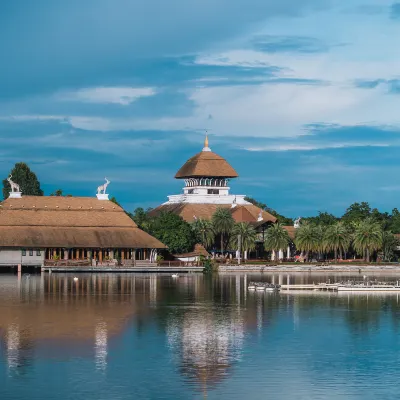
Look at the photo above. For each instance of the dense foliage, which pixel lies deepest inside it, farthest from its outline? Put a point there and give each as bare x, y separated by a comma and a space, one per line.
26, 179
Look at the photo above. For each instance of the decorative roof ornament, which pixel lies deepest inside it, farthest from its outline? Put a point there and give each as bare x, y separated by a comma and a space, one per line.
234, 204
260, 216
101, 190
15, 189
297, 223
206, 148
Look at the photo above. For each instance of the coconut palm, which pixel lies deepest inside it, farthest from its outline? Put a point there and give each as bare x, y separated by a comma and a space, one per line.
223, 223
308, 238
276, 238
337, 238
247, 235
204, 231
389, 244
367, 237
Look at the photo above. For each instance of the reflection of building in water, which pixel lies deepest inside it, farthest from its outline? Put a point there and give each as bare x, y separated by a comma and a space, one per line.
84, 315
100, 347
208, 342
13, 343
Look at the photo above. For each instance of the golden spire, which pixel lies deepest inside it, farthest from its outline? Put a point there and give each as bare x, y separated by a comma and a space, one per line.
206, 140
206, 148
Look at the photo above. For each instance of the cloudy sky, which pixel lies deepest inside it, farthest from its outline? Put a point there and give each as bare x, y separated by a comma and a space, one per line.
301, 96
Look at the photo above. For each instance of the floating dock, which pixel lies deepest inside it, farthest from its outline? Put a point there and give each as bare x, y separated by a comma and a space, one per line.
340, 287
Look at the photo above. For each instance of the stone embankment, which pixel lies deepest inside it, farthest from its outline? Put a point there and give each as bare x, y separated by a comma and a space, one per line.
309, 268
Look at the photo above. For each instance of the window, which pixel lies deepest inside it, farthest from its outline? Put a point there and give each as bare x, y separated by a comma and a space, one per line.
190, 191
38, 252
213, 191
23, 252
31, 253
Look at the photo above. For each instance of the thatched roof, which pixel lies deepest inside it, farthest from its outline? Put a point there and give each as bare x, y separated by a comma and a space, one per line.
240, 213
291, 230
84, 222
199, 250
206, 164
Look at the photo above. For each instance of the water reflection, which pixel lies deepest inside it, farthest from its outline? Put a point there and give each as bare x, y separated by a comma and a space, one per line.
210, 325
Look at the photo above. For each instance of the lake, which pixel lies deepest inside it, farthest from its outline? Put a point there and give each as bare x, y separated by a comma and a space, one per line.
131, 336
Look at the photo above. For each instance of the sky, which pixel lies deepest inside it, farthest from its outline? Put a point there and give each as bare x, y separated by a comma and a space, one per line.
302, 97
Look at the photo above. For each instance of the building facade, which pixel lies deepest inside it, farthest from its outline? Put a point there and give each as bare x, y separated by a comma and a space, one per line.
42, 230
207, 178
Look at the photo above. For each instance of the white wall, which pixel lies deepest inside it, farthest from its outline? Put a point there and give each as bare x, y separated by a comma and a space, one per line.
14, 257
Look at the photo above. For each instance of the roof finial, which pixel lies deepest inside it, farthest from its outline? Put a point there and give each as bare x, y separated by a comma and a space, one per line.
206, 148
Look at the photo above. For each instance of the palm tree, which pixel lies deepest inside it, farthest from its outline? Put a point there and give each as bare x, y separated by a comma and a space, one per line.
204, 231
367, 237
389, 244
337, 238
247, 235
223, 223
308, 238
276, 238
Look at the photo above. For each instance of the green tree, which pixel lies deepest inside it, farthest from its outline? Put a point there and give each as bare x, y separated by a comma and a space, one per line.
323, 218
26, 179
308, 238
141, 218
223, 223
357, 212
394, 224
389, 245
173, 231
247, 235
337, 238
60, 193
115, 201
276, 238
367, 237
204, 232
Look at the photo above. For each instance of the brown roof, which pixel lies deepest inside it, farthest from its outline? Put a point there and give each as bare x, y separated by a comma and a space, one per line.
40, 221
206, 163
291, 230
199, 250
240, 213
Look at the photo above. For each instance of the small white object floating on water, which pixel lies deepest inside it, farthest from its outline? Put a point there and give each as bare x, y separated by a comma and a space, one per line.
261, 286
75, 279
175, 275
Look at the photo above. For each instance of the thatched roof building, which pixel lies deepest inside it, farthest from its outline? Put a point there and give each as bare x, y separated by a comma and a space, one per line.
206, 164
36, 229
206, 177
84, 222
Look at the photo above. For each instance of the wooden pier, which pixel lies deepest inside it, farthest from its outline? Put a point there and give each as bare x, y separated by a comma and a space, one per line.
313, 286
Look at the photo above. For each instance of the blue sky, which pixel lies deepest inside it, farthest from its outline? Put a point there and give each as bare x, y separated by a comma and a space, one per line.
301, 96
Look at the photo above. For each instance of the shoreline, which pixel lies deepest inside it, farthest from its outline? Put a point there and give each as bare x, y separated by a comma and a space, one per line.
309, 268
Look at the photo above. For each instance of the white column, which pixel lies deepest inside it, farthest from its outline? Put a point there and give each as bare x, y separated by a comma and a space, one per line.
273, 256
288, 252
280, 254
245, 254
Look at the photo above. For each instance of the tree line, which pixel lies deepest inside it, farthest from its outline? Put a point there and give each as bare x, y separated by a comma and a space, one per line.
221, 232
364, 238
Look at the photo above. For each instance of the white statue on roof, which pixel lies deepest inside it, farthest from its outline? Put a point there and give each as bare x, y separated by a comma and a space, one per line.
102, 188
297, 223
260, 216
14, 186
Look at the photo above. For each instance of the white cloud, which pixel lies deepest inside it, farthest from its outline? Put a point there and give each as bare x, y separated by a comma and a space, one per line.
111, 95
310, 147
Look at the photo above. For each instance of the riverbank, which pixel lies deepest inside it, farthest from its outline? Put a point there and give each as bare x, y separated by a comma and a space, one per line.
310, 268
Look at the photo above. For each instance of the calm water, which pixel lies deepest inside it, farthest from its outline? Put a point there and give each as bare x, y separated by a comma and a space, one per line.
153, 337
